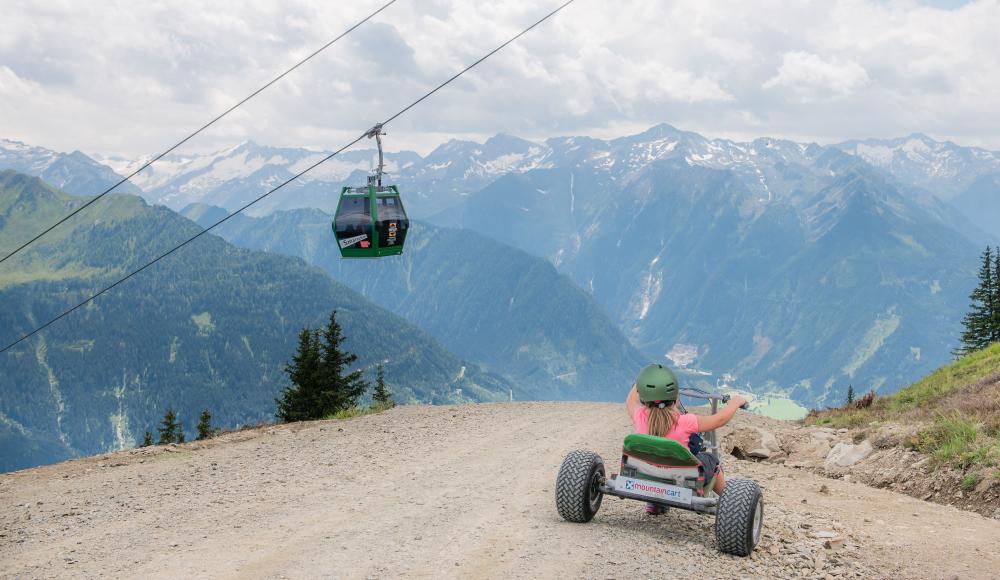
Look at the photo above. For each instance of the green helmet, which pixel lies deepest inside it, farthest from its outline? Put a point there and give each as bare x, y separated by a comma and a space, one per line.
657, 383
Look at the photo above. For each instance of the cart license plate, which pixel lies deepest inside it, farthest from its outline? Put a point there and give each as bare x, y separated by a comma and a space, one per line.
654, 490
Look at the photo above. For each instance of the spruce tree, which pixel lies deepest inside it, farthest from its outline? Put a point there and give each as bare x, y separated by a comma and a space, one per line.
170, 430
381, 398
147, 439
337, 391
205, 430
300, 401
979, 325
995, 322
850, 394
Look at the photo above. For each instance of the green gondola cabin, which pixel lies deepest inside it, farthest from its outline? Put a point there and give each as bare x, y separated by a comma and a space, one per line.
370, 221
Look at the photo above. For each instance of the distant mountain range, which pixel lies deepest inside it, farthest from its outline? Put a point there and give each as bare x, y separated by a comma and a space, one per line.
210, 327
483, 300
861, 286
231, 177
796, 267
968, 177
941, 167
74, 172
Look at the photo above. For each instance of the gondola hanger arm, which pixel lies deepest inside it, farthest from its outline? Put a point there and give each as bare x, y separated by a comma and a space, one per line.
377, 133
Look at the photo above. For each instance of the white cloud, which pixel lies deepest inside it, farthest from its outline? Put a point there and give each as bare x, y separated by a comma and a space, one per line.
130, 78
810, 78
14, 89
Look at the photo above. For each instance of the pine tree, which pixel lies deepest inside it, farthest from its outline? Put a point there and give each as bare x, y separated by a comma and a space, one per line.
381, 398
205, 430
170, 430
979, 322
995, 323
319, 387
337, 391
300, 401
147, 439
850, 394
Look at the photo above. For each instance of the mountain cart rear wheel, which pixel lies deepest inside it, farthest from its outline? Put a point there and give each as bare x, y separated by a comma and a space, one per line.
740, 517
578, 486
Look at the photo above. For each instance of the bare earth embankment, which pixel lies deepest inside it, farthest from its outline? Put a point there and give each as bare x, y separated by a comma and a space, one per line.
434, 492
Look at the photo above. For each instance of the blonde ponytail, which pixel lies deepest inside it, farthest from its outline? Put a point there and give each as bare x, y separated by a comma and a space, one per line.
661, 421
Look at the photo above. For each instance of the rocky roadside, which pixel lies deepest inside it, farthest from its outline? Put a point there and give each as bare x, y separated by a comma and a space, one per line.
877, 456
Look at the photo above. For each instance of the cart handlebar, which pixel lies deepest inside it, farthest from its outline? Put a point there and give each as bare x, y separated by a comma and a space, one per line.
696, 393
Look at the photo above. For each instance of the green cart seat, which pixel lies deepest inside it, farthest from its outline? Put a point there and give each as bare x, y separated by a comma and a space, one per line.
662, 459
659, 450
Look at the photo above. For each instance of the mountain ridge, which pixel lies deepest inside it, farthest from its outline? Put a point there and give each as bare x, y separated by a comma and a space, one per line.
702, 263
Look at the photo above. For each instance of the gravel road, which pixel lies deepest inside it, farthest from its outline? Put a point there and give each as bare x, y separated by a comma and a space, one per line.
437, 492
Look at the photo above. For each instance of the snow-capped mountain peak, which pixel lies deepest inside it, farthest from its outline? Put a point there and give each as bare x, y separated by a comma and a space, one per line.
942, 167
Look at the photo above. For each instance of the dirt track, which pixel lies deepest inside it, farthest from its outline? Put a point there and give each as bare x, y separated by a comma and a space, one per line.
443, 492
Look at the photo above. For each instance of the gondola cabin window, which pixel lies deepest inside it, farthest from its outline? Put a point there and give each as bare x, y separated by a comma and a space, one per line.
354, 222
392, 222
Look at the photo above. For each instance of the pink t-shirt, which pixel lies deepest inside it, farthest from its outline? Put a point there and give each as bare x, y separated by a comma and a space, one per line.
684, 427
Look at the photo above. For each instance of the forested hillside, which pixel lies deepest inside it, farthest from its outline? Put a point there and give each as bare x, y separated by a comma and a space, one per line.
481, 299
209, 327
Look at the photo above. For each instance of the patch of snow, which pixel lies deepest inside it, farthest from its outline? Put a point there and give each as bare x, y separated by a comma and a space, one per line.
503, 163
878, 155
235, 167
915, 148
119, 165
436, 166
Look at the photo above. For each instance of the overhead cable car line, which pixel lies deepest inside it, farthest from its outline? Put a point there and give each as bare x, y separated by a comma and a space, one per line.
192, 135
284, 183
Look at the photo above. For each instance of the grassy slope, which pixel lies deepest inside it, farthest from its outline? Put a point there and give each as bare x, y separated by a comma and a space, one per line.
956, 411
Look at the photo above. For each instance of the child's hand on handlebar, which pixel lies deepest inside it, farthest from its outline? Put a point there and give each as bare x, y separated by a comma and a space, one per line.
737, 401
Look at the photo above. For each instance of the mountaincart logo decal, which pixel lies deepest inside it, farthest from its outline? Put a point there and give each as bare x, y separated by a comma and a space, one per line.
633, 485
351, 241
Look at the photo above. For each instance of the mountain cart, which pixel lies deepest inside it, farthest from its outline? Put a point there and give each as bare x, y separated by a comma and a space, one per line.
664, 472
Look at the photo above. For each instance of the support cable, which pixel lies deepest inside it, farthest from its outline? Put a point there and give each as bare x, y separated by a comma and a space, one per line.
282, 184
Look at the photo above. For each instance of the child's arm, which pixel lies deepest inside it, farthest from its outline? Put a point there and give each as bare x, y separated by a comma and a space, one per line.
632, 401
713, 422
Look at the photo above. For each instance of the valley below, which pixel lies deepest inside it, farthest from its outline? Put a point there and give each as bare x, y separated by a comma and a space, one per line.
448, 491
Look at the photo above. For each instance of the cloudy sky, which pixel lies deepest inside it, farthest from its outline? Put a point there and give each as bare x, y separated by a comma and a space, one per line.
130, 78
